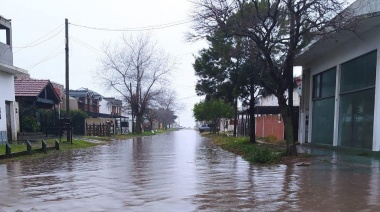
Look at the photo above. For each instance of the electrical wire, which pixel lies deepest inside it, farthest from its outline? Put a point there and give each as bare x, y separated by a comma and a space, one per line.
161, 26
38, 42
189, 97
89, 47
46, 59
51, 55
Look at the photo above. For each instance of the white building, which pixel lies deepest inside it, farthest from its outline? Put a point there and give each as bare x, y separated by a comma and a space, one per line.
8, 106
340, 104
110, 105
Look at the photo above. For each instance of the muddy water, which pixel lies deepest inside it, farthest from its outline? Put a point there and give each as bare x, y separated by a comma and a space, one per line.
180, 171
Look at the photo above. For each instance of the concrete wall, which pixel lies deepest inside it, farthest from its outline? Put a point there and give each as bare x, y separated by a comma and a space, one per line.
6, 54
7, 94
73, 104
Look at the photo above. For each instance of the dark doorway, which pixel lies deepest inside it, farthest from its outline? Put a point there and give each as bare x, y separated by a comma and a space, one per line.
8, 120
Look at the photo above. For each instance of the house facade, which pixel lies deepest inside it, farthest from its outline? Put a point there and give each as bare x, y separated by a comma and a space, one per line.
8, 106
340, 104
87, 100
31, 95
110, 105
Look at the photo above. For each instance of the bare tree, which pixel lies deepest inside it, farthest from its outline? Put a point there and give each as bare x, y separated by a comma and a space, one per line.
137, 70
167, 106
280, 29
168, 100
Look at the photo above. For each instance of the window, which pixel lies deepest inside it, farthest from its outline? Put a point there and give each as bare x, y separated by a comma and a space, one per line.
323, 107
324, 84
357, 100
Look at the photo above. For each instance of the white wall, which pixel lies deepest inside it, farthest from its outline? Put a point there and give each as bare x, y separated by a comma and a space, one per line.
103, 107
7, 93
356, 46
272, 99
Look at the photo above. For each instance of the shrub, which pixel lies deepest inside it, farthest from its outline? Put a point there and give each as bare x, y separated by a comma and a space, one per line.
30, 124
264, 155
271, 138
77, 119
252, 152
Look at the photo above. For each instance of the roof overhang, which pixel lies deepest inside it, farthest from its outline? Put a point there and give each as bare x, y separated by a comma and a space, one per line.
328, 43
12, 69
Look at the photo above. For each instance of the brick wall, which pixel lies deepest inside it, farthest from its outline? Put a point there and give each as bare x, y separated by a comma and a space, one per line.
270, 125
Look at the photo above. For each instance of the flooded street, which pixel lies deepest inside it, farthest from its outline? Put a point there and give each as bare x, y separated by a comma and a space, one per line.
181, 171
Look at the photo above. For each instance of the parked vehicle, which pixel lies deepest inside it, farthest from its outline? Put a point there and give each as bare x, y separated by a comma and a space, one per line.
204, 127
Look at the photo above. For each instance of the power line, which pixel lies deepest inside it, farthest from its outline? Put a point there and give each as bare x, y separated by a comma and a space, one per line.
38, 42
47, 58
189, 97
161, 26
97, 51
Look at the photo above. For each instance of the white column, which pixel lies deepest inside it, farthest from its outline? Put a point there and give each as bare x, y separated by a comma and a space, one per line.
310, 112
376, 115
301, 126
336, 109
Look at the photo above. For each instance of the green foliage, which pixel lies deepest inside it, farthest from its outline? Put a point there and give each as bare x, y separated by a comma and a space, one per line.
263, 155
270, 138
48, 119
252, 152
227, 69
78, 117
30, 124
212, 110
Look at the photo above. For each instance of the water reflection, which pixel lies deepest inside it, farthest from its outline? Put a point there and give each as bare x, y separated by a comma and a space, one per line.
181, 171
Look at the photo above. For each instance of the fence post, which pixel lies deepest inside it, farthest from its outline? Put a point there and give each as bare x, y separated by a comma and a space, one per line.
28, 147
44, 146
8, 149
93, 130
56, 144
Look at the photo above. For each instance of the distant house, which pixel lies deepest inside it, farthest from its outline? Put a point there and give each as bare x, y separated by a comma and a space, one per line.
340, 104
8, 106
269, 121
110, 105
87, 101
101, 109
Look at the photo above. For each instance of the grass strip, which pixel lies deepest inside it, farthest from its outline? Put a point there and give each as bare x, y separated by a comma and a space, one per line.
255, 153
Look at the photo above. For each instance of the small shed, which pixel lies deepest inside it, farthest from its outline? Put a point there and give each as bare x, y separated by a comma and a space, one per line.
40, 93
34, 94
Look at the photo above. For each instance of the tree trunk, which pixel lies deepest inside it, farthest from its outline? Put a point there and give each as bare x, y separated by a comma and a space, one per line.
252, 119
138, 124
291, 148
235, 117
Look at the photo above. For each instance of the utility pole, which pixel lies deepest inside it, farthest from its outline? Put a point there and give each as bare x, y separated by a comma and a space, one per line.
67, 82
133, 125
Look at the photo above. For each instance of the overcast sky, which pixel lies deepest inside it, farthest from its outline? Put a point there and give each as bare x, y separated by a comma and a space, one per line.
38, 39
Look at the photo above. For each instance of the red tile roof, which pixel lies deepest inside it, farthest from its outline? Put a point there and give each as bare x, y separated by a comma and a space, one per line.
30, 87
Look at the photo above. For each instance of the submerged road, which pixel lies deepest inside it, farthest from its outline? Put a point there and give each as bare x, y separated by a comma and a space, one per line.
181, 171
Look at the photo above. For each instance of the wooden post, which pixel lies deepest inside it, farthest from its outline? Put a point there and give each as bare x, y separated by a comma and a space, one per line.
67, 78
44, 149
8, 150
56, 144
28, 147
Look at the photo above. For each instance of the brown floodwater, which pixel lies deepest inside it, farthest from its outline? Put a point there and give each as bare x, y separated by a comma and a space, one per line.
181, 171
